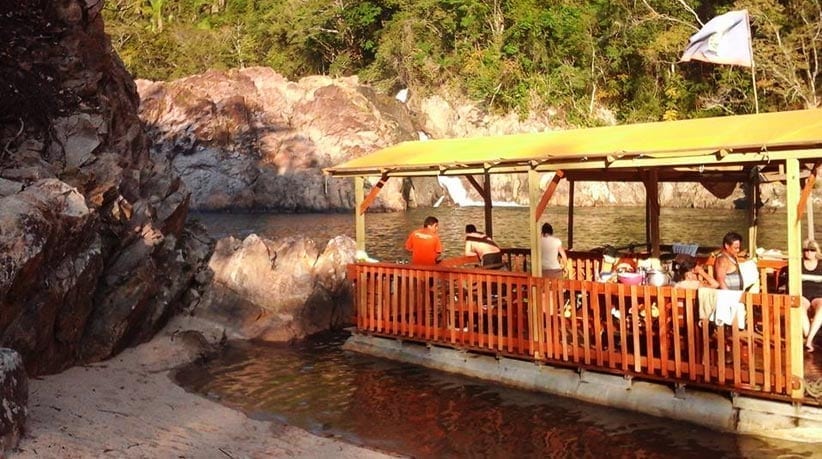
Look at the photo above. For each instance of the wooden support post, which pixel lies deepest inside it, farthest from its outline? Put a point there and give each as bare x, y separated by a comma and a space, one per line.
549, 193
652, 211
359, 217
535, 305
487, 204
533, 197
484, 191
753, 215
794, 274
570, 214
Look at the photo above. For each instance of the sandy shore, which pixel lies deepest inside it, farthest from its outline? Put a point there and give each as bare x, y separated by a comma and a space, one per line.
128, 407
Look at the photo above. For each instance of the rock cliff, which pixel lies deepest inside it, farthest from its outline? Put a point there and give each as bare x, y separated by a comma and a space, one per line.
250, 139
96, 253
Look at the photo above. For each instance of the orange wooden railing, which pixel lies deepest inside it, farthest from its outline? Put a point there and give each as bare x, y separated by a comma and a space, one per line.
650, 332
586, 265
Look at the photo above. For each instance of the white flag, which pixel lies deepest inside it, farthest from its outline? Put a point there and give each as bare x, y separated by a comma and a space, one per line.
725, 39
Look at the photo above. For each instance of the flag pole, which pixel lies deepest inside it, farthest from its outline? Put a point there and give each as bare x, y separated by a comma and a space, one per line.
753, 64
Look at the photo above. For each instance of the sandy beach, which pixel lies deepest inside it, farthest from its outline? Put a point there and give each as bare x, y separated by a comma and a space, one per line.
129, 407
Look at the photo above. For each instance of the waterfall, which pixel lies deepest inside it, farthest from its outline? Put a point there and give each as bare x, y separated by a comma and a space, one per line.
457, 192
459, 195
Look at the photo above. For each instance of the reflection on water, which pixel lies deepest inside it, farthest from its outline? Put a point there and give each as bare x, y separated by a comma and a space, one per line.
423, 413
593, 227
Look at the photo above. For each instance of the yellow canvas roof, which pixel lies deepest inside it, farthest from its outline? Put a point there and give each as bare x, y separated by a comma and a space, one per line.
712, 142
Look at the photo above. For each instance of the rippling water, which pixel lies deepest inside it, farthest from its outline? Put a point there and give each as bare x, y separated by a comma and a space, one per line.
593, 227
422, 413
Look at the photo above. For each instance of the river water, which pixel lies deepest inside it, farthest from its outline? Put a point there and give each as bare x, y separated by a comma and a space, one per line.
593, 227
414, 411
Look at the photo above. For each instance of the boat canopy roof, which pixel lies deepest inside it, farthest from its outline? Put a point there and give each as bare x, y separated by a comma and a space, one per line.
717, 149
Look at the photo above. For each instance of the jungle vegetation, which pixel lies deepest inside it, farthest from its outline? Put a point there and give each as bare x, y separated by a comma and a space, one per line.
573, 56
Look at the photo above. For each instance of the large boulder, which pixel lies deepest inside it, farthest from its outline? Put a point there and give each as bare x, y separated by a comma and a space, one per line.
251, 139
279, 290
96, 250
14, 392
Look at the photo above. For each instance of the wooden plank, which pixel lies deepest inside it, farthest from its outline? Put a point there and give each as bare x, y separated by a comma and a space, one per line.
570, 214
635, 322
736, 346
652, 205
558, 337
766, 339
648, 303
372, 313
593, 299
676, 331
721, 362
359, 218
806, 193
513, 308
779, 361
706, 349
548, 194
609, 325
752, 348
586, 327
795, 359
405, 330
372, 195
662, 326
623, 319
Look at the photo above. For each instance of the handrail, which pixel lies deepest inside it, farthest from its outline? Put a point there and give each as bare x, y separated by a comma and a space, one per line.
643, 331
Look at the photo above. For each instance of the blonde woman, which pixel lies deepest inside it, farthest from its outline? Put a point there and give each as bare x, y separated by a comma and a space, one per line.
811, 292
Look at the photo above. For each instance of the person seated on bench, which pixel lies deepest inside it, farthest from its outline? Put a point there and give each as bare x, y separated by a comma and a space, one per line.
811, 292
480, 244
726, 265
689, 274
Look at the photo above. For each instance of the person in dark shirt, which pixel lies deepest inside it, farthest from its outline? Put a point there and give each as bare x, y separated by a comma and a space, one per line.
811, 292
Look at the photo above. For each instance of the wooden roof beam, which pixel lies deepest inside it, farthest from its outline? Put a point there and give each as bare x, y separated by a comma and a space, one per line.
548, 194
372, 195
806, 193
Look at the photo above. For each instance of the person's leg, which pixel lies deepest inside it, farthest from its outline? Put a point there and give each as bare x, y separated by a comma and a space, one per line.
806, 324
816, 308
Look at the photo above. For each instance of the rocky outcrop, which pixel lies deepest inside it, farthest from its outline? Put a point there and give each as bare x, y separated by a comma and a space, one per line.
14, 392
96, 253
278, 290
251, 140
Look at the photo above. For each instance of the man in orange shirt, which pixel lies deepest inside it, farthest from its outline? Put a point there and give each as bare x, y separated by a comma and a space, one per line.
424, 243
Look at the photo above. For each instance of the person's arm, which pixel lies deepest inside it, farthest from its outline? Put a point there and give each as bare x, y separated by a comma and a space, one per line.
704, 278
409, 243
721, 270
563, 258
439, 249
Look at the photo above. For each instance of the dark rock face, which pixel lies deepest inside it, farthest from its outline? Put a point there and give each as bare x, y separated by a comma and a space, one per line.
96, 252
14, 392
250, 139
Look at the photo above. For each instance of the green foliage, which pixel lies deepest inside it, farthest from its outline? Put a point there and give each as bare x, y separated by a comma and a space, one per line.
522, 55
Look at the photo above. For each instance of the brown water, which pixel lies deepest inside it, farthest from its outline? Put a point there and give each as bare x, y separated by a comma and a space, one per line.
417, 412
423, 413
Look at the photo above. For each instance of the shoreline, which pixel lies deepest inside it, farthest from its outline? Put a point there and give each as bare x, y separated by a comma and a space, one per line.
128, 406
